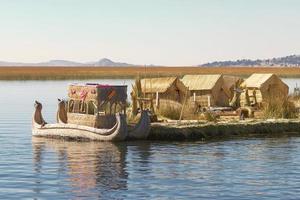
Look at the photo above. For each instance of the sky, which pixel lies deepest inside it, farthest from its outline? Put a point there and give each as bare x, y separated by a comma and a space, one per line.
161, 32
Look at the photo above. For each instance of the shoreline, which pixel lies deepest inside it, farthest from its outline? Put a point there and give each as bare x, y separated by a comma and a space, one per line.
84, 73
221, 130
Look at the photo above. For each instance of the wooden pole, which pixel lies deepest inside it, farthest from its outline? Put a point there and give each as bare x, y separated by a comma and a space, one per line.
185, 100
156, 100
139, 91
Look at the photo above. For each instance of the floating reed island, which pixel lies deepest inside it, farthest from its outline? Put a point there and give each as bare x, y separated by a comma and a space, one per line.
225, 129
175, 108
213, 106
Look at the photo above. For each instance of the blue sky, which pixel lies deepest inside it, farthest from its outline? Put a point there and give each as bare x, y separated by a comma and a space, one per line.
167, 32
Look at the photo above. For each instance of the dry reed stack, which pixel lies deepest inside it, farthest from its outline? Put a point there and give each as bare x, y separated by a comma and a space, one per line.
231, 83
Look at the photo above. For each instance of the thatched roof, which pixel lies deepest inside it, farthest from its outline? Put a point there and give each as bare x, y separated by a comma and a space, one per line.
201, 82
160, 85
256, 80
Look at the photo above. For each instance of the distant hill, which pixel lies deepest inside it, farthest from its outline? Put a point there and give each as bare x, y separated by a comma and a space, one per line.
58, 63
288, 61
104, 62
109, 63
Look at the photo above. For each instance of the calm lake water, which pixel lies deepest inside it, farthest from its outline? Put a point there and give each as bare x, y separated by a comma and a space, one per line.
30, 168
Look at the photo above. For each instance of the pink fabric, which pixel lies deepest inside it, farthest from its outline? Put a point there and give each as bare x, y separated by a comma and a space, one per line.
83, 94
103, 86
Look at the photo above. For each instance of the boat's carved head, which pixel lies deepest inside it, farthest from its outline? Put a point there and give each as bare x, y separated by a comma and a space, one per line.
62, 103
38, 105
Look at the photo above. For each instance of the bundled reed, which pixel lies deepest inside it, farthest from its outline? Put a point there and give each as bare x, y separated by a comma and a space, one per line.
279, 107
170, 109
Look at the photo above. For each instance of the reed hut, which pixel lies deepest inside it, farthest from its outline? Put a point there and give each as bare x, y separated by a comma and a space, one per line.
163, 96
167, 88
207, 90
260, 87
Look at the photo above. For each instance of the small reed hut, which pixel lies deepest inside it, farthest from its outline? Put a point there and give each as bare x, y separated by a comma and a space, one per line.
168, 88
260, 87
154, 93
207, 90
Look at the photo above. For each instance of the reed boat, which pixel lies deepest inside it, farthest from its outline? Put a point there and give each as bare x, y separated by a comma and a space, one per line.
74, 131
92, 112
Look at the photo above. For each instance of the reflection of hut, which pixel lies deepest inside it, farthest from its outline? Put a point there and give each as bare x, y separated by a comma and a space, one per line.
207, 90
259, 87
168, 88
94, 104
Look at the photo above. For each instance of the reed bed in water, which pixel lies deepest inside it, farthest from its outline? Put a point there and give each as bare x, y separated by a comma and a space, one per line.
53, 73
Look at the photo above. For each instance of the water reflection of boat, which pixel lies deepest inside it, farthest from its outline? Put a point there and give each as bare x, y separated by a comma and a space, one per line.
88, 165
94, 112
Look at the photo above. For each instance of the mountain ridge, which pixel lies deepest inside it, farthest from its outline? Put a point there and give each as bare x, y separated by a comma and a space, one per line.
104, 62
287, 61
